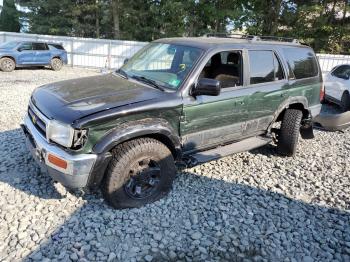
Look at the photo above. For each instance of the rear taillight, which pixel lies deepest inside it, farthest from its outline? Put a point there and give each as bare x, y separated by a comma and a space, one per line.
322, 93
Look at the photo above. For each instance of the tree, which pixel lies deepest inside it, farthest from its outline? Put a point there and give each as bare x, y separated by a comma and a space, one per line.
9, 17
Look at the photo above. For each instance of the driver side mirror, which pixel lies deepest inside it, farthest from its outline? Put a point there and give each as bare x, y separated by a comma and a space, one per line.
125, 61
207, 87
20, 49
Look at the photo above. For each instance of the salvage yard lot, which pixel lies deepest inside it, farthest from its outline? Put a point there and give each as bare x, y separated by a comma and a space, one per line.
254, 205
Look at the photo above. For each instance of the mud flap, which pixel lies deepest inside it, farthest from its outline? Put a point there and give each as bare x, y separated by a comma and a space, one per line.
335, 122
307, 132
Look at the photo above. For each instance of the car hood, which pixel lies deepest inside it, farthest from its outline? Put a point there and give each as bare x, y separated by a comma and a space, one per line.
5, 50
70, 100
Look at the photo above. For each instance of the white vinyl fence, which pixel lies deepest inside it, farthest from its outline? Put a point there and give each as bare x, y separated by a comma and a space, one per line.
85, 52
99, 53
328, 62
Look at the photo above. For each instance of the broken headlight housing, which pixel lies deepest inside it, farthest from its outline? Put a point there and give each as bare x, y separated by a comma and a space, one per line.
65, 135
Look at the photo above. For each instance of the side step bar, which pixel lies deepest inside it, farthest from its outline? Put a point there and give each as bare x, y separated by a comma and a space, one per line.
216, 153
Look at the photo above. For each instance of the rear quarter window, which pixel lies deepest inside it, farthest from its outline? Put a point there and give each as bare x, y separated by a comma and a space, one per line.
55, 47
302, 62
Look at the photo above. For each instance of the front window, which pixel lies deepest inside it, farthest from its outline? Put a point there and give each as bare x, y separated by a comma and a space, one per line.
9, 45
165, 64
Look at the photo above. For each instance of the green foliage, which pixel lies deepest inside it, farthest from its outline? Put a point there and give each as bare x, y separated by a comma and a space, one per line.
324, 24
9, 17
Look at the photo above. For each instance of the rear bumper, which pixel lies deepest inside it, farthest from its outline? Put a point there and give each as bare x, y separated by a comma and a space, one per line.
79, 166
335, 122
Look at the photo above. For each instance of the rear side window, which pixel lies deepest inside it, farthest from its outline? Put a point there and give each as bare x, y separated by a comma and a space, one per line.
302, 62
264, 67
55, 47
39, 46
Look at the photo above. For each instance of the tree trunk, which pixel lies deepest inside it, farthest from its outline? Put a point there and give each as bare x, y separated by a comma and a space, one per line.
115, 14
270, 20
346, 3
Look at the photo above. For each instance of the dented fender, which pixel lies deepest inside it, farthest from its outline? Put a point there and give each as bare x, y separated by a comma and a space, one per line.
139, 128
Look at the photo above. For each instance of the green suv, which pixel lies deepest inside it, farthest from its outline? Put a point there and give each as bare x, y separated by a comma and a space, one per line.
177, 101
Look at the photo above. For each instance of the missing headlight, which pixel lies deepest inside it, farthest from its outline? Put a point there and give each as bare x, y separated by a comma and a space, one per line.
80, 137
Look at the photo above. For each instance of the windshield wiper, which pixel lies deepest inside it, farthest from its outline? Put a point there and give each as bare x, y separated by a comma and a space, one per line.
122, 73
148, 81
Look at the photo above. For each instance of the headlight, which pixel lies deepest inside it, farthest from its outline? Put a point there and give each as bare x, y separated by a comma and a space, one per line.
60, 133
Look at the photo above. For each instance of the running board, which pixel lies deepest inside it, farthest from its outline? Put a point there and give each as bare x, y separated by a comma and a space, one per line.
222, 151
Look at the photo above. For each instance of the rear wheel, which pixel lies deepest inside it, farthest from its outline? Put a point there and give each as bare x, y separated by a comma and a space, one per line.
7, 64
140, 172
345, 101
288, 136
56, 64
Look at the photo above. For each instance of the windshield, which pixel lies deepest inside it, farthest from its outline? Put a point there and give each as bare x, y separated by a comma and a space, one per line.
166, 65
9, 45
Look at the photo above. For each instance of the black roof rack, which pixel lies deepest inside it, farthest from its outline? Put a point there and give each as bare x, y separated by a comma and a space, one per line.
254, 38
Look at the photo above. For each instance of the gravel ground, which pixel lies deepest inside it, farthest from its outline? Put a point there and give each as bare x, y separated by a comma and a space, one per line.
253, 206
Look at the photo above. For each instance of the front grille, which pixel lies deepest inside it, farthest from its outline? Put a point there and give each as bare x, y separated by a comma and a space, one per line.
37, 121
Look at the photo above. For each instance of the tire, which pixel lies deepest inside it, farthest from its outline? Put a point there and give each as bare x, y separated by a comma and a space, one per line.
7, 64
56, 64
345, 101
141, 171
289, 133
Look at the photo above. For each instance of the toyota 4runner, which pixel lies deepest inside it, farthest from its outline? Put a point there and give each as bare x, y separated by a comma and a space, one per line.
178, 100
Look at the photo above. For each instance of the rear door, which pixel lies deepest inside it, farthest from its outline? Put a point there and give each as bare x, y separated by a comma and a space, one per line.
267, 88
26, 55
42, 54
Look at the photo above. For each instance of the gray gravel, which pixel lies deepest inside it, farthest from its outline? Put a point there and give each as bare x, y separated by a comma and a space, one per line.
253, 206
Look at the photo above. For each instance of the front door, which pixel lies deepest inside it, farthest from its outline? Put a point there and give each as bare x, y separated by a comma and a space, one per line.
267, 89
212, 120
208, 121
26, 54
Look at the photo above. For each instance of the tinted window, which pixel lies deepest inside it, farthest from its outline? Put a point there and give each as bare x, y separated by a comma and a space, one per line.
55, 47
39, 46
342, 71
302, 62
25, 46
262, 67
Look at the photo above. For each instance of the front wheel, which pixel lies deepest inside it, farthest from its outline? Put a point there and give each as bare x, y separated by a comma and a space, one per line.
56, 64
287, 139
140, 172
7, 64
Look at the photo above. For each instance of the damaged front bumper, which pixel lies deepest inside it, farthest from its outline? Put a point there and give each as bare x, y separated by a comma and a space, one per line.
78, 167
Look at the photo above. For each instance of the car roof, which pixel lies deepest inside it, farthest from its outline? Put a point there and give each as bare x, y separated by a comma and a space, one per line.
210, 42
38, 42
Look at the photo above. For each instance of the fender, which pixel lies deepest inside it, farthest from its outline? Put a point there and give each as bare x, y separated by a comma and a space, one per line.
145, 127
9, 56
287, 103
306, 129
